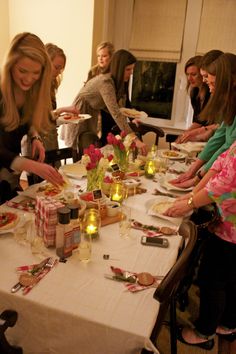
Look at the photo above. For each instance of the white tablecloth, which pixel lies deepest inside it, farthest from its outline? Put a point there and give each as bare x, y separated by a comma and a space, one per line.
75, 309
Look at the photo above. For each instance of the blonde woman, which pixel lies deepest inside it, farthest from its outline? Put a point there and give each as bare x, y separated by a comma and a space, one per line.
25, 105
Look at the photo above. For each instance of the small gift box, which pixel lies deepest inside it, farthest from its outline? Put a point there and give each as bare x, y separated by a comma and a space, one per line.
46, 219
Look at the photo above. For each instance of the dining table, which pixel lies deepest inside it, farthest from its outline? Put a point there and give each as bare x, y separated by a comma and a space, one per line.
75, 308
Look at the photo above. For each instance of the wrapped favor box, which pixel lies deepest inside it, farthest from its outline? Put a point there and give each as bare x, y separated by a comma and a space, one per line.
46, 219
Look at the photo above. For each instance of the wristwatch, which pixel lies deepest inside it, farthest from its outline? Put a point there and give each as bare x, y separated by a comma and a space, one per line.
199, 175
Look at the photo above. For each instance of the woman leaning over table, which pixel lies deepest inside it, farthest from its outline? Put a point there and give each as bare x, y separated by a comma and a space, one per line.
222, 84
105, 91
24, 109
217, 273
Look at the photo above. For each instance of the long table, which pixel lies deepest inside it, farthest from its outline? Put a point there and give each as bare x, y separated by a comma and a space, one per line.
75, 309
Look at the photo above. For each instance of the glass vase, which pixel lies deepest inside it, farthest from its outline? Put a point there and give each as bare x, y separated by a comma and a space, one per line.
94, 179
121, 157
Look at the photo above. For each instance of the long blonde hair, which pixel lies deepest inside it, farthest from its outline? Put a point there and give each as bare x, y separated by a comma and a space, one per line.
53, 50
37, 105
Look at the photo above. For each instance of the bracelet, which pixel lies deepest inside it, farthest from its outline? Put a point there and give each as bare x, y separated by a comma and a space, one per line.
191, 203
36, 137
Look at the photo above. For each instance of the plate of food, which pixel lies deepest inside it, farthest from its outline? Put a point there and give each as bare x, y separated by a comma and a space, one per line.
172, 154
45, 189
165, 183
133, 113
75, 170
9, 220
72, 118
190, 146
158, 206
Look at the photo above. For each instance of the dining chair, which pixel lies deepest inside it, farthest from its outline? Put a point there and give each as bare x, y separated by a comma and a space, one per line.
144, 128
170, 288
52, 157
8, 318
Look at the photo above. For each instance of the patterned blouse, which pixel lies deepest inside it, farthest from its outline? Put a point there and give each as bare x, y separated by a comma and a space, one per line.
222, 190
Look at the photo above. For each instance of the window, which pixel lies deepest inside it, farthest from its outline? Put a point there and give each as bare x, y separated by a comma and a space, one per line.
153, 88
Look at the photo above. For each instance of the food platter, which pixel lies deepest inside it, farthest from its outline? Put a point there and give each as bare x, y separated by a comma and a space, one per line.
72, 118
172, 154
133, 113
42, 189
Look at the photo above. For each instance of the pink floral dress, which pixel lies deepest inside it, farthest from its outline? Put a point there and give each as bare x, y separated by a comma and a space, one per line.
222, 190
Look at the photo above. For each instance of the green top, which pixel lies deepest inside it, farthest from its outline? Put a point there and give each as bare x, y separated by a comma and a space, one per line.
223, 138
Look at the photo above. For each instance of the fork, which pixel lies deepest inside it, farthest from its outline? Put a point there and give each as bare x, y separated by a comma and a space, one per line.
47, 267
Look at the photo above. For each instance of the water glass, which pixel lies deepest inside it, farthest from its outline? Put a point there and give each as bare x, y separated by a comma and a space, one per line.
125, 222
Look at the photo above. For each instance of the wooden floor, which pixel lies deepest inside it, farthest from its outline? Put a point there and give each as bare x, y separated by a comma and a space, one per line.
186, 318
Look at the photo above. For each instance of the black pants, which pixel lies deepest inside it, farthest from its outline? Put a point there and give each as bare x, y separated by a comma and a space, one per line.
217, 281
107, 124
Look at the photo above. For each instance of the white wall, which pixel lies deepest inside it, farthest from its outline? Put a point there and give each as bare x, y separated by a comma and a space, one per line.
4, 28
68, 24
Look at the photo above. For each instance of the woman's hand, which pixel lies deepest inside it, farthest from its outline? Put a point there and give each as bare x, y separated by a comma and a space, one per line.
182, 178
38, 150
141, 146
43, 170
68, 109
187, 183
179, 208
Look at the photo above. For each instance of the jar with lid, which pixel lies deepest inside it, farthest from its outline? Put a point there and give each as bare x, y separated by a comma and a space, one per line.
75, 223
64, 233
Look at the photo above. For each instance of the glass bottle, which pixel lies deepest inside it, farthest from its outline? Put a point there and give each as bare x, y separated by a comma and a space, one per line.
63, 233
75, 223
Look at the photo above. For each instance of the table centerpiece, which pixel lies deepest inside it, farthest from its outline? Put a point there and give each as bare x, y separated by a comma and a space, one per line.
122, 144
96, 166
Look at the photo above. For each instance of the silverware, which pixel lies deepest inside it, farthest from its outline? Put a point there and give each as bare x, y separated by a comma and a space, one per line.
37, 268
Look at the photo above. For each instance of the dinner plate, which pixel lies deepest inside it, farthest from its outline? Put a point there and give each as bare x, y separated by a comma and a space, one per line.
172, 154
72, 118
162, 201
190, 146
21, 220
75, 170
164, 182
133, 113
35, 190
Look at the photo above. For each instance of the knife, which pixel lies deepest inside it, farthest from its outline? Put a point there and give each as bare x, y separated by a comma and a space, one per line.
33, 271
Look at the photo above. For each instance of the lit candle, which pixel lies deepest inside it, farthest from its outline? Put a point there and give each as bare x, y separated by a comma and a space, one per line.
150, 169
117, 192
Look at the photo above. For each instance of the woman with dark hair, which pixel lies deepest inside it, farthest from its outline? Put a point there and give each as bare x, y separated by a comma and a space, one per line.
221, 79
201, 129
104, 91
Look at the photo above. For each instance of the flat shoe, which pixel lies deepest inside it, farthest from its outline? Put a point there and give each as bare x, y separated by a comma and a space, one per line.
208, 345
229, 337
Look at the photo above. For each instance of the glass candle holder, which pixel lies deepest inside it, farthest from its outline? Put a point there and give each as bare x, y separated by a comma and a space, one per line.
117, 192
150, 169
91, 223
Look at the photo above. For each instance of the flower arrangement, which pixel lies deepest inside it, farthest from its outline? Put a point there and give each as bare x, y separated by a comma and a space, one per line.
96, 166
122, 145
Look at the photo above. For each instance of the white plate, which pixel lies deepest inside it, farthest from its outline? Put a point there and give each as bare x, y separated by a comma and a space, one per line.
75, 170
133, 113
33, 191
150, 207
22, 218
190, 146
164, 182
167, 154
131, 183
75, 119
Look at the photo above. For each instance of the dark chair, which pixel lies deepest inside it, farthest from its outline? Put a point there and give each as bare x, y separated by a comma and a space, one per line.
170, 288
170, 138
144, 128
8, 318
52, 157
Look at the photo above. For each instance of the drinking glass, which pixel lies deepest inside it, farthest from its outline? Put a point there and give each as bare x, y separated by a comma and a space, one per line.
125, 222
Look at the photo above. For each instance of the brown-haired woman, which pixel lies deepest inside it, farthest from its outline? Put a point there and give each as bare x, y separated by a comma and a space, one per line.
103, 92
